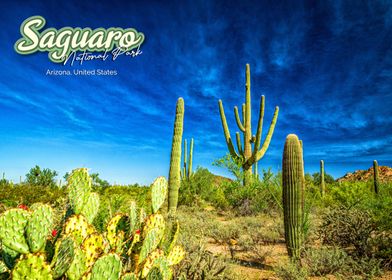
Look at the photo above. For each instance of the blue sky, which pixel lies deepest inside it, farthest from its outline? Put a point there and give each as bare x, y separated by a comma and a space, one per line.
326, 64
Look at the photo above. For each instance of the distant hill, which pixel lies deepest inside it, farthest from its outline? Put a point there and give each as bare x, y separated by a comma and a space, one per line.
385, 174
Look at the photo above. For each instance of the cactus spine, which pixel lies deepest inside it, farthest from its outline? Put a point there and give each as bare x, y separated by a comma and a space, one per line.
376, 180
293, 197
175, 158
188, 162
322, 179
245, 155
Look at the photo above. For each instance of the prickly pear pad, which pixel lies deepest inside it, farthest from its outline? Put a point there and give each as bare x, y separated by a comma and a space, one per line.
78, 227
79, 188
107, 267
115, 230
153, 232
158, 193
39, 226
32, 266
148, 265
9, 256
12, 228
63, 256
93, 246
78, 266
134, 223
90, 209
176, 255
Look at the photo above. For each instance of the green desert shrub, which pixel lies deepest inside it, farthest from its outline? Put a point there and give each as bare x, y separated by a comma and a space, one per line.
291, 271
12, 196
41, 177
116, 199
348, 228
200, 264
335, 261
203, 186
257, 197
325, 260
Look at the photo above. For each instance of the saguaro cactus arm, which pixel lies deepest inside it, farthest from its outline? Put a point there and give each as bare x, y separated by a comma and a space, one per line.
239, 145
259, 126
226, 131
268, 138
237, 119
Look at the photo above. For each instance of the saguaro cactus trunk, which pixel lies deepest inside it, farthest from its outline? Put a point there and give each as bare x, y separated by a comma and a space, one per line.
245, 155
376, 180
293, 196
322, 179
175, 158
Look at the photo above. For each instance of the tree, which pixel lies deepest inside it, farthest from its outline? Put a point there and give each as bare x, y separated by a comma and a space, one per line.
328, 178
45, 177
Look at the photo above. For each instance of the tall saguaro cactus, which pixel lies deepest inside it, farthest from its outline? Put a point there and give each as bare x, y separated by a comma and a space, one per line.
322, 179
175, 158
245, 155
376, 181
188, 162
293, 196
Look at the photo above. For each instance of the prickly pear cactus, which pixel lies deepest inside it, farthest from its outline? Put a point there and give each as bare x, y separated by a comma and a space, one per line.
39, 226
12, 228
79, 251
32, 266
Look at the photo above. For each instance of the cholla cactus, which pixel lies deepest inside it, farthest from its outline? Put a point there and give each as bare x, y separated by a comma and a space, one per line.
134, 246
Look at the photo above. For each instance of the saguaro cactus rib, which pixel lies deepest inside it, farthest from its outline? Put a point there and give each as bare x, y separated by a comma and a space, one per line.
245, 155
175, 157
